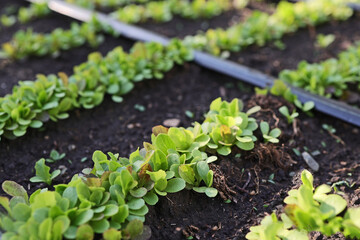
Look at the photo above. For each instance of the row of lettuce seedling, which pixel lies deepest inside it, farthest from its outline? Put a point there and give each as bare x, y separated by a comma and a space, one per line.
25, 14
261, 28
258, 29
112, 198
52, 97
27, 43
164, 11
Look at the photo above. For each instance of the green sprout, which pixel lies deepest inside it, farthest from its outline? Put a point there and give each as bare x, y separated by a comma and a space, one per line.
55, 156
290, 117
269, 136
323, 41
43, 173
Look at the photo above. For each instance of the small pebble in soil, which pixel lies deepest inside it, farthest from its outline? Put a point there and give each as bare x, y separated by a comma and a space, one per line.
173, 122
71, 147
310, 161
222, 91
291, 174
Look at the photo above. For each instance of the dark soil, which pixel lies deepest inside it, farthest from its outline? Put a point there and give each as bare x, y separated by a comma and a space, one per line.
120, 128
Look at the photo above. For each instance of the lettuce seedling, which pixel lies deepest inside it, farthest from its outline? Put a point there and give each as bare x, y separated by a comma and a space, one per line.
55, 156
323, 41
228, 126
309, 210
306, 107
285, 112
7, 21
43, 173
269, 136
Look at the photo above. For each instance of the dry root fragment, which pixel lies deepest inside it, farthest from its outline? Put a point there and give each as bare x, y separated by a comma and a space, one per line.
220, 183
271, 156
191, 231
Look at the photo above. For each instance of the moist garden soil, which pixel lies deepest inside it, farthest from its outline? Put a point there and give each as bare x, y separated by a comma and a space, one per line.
120, 128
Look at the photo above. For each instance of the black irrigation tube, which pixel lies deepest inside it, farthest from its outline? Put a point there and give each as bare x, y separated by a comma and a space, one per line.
330, 107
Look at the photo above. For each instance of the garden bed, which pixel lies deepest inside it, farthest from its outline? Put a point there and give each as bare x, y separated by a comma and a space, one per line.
121, 128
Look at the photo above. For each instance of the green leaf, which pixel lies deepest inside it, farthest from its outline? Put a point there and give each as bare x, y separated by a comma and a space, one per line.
83, 216
247, 146
203, 169
333, 205
138, 193
134, 228
112, 234
200, 189
15, 190
21, 212
308, 106
163, 142
85, 232
275, 132
100, 226
45, 229
224, 150
156, 176
55, 173
159, 161
140, 212
122, 214
253, 110
264, 126
187, 173
50, 105
136, 203
70, 193
110, 210
151, 198
175, 185
211, 192
307, 179
4, 202
117, 99
182, 138
126, 181
36, 124
42, 172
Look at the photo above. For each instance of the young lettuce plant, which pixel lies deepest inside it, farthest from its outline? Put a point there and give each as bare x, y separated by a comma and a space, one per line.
323, 41
55, 156
285, 112
309, 210
43, 173
269, 136
228, 126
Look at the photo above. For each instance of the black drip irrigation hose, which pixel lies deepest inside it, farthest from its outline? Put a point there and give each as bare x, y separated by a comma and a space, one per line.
330, 107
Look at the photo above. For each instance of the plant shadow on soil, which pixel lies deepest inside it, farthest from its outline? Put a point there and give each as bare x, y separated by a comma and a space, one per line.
120, 128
